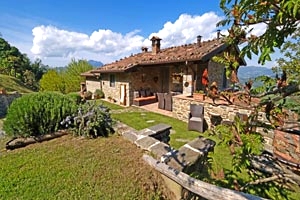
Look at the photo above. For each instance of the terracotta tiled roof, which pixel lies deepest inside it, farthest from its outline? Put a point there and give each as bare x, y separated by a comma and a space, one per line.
188, 52
90, 73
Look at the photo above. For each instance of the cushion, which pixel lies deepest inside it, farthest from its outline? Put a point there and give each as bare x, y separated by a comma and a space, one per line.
148, 93
143, 93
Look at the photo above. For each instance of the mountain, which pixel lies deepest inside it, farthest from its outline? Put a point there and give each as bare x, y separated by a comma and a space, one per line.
251, 72
95, 63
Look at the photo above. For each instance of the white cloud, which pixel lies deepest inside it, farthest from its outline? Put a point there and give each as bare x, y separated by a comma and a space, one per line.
50, 41
106, 46
258, 29
186, 28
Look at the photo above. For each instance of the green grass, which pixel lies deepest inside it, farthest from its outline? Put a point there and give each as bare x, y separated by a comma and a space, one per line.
104, 168
76, 168
12, 84
112, 106
140, 120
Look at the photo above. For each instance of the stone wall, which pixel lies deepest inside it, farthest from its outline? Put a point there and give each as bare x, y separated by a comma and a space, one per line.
181, 108
188, 158
5, 101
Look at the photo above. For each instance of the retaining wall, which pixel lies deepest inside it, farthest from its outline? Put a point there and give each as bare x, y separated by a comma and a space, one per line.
5, 101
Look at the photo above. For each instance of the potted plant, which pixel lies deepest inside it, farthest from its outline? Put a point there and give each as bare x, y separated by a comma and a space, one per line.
88, 95
199, 95
98, 94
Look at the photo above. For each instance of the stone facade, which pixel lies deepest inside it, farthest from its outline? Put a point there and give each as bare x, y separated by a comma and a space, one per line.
217, 74
164, 78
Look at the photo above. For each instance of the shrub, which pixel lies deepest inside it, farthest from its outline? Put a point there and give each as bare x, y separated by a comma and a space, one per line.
91, 121
37, 114
88, 95
98, 94
75, 96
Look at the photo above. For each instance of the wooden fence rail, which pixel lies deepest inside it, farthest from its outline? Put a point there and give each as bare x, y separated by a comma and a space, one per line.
203, 189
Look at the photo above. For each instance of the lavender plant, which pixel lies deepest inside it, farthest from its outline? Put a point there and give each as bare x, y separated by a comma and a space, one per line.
90, 121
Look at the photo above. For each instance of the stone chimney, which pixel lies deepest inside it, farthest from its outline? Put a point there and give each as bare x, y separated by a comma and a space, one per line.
218, 34
199, 40
144, 49
155, 44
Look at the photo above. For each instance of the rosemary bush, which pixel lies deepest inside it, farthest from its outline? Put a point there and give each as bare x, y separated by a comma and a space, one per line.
37, 114
76, 97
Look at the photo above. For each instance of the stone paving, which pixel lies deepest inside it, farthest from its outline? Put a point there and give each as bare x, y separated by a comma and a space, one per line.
190, 156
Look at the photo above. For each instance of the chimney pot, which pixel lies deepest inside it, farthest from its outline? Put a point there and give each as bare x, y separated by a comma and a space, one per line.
199, 40
144, 49
155, 44
218, 34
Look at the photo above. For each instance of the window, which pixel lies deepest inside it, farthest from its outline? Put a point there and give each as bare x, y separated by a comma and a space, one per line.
112, 80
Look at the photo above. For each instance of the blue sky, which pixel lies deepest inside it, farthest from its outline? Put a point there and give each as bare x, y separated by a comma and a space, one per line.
57, 30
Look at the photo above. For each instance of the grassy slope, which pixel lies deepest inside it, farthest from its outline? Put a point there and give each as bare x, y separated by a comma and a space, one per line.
12, 84
77, 168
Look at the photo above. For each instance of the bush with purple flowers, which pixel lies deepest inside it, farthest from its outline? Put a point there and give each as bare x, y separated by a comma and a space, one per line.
91, 121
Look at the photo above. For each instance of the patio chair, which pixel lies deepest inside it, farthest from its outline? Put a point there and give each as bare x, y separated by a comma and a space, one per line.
196, 118
168, 101
161, 100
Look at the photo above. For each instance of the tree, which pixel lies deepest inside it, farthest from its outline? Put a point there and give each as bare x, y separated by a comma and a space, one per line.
290, 63
38, 69
52, 81
281, 19
72, 74
12, 61
67, 80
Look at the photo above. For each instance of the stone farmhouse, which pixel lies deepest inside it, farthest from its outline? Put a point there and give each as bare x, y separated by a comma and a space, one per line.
174, 70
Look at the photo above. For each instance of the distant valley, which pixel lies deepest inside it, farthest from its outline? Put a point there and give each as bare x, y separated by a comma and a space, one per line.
250, 72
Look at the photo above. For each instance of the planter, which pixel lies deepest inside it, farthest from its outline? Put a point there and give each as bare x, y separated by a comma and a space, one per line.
199, 96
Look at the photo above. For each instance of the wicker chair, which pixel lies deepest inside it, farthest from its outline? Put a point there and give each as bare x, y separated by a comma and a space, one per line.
196, 118
161, 100
168, 101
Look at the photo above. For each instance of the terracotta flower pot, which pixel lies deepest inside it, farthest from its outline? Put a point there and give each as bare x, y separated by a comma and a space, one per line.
199, 96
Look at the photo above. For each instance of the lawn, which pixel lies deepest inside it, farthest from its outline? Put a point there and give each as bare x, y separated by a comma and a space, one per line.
102, 168
77, 168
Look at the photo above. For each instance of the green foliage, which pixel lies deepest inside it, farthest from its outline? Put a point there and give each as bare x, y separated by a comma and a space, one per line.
230, 59
98, 94
13, 84
52, 81
75, 96
72, 77
290, 62
91, 121
88, 95
18, 65
66, 80
245, 144
37, 114
12, 61
241, 14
